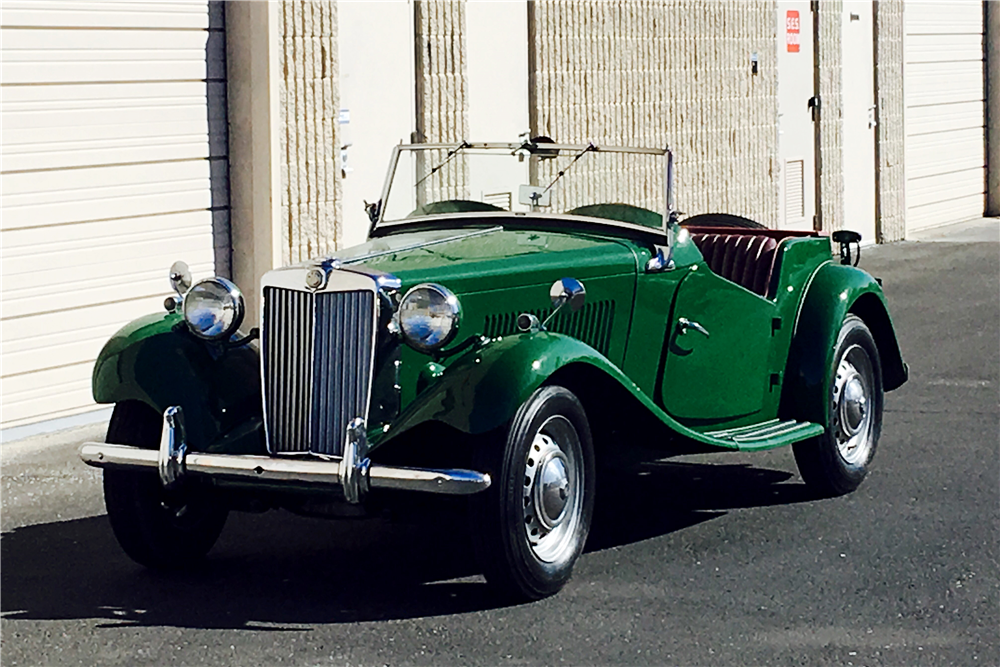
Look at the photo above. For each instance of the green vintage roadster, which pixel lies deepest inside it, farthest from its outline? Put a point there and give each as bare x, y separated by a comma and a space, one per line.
510, 324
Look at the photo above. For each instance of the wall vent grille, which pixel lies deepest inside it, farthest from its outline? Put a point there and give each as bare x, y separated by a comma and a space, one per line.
795, 203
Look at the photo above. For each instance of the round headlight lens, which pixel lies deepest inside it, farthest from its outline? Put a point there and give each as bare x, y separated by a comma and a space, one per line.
429, 316
213, 308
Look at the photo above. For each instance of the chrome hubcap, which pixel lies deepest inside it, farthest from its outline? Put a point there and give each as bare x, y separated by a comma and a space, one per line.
553, 483
852, 389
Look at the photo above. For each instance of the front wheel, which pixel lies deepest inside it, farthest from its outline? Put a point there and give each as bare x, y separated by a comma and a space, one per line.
156, 528
837, 461
530, 526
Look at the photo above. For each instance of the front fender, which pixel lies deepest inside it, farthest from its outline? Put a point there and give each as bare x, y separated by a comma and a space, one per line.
835, 291
157, 361
483, 389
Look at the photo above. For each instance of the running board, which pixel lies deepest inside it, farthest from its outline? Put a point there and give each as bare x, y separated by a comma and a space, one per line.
765, 435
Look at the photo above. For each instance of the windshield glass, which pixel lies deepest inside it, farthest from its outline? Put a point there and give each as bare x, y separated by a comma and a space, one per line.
540, 178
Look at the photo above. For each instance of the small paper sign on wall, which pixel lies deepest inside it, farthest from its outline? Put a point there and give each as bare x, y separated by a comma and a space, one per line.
792, 31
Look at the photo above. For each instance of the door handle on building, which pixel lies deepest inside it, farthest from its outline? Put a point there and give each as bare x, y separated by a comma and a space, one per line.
871, 118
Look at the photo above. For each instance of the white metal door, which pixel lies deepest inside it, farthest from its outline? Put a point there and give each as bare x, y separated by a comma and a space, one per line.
945, 147
376, 100
859, 118
796, 132
114, 164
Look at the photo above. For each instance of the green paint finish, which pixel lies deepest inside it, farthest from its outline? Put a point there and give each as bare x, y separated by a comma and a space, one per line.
835, 291
156, 360
484, 387
721, 377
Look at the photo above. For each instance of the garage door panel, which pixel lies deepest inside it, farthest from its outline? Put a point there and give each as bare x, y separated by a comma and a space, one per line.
120, 312
945, 187
81, 72
944, 110
73, 14
937, 48
944, 212
96, 235
108, 95
115, 157
942, 83
124, 260
177, 148
951, 17
71, 397
944, 118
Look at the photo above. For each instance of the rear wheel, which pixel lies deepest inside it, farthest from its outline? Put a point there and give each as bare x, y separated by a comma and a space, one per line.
530, 526
837, 461
155, 527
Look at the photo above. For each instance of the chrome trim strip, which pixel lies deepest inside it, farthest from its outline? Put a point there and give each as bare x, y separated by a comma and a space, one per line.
173, 447
293, 278
516, 145
308, 471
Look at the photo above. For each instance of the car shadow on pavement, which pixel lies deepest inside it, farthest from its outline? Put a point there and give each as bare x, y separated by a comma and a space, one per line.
281, 572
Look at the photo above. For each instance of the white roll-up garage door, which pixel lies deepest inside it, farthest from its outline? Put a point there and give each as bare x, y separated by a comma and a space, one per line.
114, 164
945, 145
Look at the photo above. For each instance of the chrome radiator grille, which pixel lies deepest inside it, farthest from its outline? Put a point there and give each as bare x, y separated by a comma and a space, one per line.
316, 354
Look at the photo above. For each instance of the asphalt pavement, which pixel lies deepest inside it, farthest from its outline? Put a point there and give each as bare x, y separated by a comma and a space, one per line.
710, 560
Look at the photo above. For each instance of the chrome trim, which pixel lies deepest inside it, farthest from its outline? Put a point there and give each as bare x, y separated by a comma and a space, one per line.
355, 464
173, 447
268, 469
292, 278
521, 144
456, 315
180, 278
239, 305
661, 261
684, 325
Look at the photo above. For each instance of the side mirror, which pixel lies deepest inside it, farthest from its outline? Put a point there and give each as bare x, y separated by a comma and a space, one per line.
180, 278
568, 290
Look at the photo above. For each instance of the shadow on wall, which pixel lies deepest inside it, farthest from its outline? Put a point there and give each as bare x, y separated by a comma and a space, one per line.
280, 572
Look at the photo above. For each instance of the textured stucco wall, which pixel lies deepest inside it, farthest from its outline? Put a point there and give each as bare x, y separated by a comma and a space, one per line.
309, 104
442, 90
889, 133
666, 72
831, 124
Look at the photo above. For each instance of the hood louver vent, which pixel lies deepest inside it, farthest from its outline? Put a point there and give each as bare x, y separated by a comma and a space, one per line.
591, 324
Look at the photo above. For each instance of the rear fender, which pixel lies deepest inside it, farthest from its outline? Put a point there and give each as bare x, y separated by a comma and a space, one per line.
835, 291
157, 361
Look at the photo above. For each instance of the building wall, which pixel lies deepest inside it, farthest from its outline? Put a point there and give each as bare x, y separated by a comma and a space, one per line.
659, 73
309, 104
830, 160
890, 132
442, 88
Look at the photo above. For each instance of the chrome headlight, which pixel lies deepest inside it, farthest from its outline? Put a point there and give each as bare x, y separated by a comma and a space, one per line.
428, 316
213, 308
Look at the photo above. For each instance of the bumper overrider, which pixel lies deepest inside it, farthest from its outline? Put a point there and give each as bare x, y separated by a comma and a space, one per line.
353, 472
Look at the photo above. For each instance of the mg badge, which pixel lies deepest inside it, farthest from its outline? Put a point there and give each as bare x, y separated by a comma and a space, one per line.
315, 279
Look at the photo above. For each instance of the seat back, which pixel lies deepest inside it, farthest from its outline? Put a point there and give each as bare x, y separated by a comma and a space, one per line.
745, 259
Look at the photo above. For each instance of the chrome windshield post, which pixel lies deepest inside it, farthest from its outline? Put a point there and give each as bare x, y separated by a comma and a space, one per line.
173, 447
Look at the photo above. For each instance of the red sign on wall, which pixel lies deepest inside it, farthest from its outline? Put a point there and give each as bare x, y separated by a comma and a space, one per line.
792, 31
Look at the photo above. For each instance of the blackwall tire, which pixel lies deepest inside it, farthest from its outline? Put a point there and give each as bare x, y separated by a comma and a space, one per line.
529, 528
157, 529
836, 462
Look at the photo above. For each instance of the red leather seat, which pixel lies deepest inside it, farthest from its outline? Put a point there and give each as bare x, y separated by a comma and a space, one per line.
744, 259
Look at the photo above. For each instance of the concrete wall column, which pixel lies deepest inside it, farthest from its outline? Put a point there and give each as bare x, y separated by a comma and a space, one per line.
254, 127
991, 42
890, 135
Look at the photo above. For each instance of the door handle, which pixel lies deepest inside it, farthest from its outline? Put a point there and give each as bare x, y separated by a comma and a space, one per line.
683, 324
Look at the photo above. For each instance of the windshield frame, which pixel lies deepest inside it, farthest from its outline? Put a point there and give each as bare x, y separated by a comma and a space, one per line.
668, 215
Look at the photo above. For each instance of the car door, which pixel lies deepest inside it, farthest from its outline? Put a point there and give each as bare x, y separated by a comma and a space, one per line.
718, 347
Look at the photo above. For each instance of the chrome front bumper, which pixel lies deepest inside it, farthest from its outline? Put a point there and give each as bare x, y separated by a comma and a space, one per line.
354, 473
